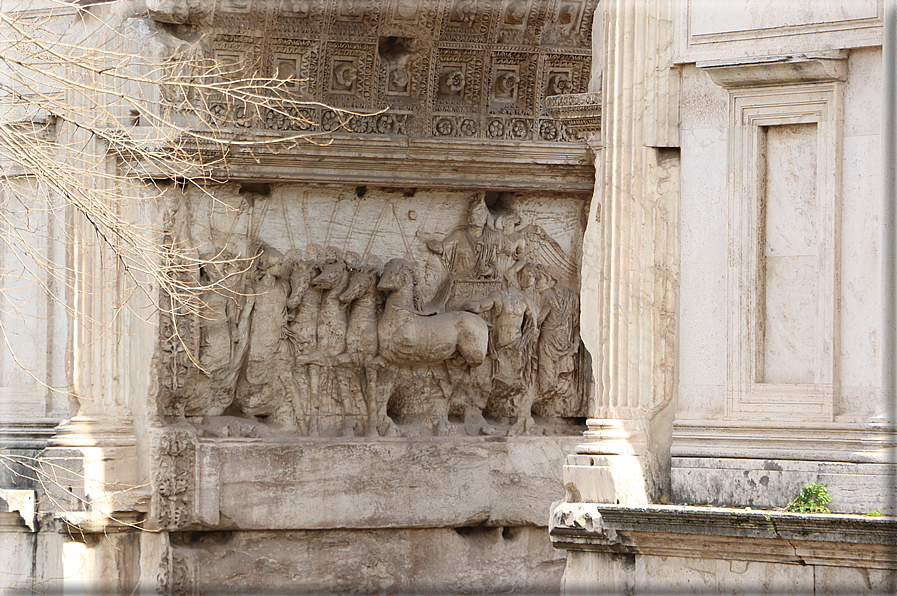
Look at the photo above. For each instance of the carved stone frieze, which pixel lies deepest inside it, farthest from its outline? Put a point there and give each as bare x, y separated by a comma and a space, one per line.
476, 335
444, 64
579, 111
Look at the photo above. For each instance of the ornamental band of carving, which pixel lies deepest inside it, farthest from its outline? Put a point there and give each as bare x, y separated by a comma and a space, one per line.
442, 68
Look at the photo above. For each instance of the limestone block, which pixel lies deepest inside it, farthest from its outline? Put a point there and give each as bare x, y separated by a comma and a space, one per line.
469, 560
617, 479
17, 548
390, 483
703, 576
855, 488
590, 573
832, 581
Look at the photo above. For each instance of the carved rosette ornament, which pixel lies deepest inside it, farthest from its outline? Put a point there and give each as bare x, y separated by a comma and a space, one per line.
442, 68
174, 479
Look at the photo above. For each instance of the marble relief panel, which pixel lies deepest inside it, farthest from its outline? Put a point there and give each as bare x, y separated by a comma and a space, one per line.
348, 312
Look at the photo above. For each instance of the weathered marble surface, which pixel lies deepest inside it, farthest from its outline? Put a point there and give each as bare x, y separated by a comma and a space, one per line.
855, 487
395, 313
759, 28
16, 544
465, 560
762, 216
699, 550
389, 483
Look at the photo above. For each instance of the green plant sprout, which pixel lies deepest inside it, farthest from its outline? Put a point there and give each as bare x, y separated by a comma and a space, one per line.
812, 498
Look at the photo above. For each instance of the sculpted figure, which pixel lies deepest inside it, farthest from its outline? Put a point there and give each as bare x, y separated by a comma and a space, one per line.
468, 252
267, 388
558, 342
224, 336
512, 247
306, 300
305, 304
332, 281
512, 346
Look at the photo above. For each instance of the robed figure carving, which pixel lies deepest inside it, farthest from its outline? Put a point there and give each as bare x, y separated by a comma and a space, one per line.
469, 254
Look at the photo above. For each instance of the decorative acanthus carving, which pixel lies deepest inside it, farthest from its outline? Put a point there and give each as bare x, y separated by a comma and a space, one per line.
174, 481
322, 342
177, 572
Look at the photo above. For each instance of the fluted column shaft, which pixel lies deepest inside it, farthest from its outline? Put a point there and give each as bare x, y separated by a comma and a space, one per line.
633, 229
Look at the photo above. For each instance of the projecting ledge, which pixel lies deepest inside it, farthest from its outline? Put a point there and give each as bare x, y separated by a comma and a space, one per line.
579, 111
399, 161
820, 67
724, 533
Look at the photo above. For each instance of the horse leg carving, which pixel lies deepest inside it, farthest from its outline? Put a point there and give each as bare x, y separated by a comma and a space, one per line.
439, 417
473, 340
380, 383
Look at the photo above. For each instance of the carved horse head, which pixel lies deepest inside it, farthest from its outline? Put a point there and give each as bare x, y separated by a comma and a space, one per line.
397, 275
333, 272
363, 280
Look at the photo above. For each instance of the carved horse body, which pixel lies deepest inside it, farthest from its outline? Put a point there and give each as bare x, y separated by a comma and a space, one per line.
407, 337
304, 304
363, 296
414, 348
363, 300
332, 317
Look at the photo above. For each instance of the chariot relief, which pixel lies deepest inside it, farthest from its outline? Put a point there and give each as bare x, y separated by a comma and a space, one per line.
323, 341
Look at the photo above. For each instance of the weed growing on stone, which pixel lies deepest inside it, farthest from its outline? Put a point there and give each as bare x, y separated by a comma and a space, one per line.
812, 498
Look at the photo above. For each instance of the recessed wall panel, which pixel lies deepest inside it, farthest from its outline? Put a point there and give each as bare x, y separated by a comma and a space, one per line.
790, 264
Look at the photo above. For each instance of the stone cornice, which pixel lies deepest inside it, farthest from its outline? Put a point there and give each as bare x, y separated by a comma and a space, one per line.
777, 70
579, 111
403, 162
33, 433
768, 440
772, 536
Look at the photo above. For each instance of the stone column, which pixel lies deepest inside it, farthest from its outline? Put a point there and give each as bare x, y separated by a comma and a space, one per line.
630, 285
93, 455
630, 272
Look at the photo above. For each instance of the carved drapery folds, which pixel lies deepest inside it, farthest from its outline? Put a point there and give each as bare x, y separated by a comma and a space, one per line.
320, 341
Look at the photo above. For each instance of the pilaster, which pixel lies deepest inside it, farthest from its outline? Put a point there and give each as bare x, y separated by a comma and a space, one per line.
633, 229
